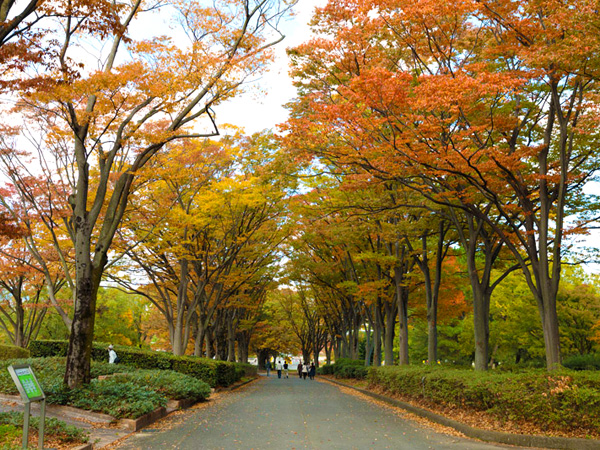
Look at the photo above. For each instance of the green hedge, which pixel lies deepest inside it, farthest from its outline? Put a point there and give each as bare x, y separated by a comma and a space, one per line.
345, 368
326, 369
555, 401
12, 352
583, 362
214, 372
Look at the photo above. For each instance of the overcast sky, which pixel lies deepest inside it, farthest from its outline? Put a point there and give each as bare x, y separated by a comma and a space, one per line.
255, 111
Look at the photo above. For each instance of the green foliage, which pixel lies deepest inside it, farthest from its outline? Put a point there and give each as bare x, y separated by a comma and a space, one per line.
350, 368
49, 372
326, 369
9, 434
583, 362
554, 401
126, 394
250, 370
11, 421
172, 385
117, 397
200, 368
118, 317
213, 372
12, 352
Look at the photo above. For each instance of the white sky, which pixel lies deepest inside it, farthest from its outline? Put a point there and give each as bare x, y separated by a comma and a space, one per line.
254, 111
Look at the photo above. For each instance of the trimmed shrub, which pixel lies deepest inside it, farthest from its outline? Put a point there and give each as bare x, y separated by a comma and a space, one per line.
583, 362
201, 368
350, 368
214, 372
326, 369
45, 349
12, 352
555, 401
226, 373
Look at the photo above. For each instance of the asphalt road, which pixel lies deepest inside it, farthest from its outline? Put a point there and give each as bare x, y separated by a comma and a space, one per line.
274, 413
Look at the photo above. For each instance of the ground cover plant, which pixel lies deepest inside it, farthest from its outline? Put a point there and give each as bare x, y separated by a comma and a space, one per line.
128, 394
11, 431
558, 401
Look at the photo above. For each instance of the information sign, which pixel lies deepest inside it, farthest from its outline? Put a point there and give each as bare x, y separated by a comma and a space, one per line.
27, 383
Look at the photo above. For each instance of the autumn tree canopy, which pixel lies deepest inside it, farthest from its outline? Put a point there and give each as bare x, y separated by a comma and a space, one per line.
485, 107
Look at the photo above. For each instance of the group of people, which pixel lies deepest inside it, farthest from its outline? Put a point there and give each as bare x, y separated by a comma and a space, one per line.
307, 370
282, 368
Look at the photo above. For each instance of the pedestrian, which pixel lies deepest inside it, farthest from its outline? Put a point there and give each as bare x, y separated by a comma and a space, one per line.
285, 369
112, 355
312, 370
279, 367
268, 366
304, 370
300, 363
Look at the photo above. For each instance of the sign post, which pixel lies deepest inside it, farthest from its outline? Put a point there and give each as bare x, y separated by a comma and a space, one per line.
30, 390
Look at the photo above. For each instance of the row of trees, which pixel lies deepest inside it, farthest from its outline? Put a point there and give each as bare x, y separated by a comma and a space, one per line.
472, 122
398, 291
100, 94
442, 138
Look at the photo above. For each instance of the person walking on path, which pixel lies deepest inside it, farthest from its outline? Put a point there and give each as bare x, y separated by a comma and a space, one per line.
312, 370
112, 355
285, 369
268, 366
300, 364
278, 367
304, 370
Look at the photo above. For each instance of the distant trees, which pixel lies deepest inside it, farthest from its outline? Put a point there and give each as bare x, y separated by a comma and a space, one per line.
475, 106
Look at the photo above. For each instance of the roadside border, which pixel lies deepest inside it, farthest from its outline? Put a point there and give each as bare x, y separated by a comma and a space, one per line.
499, 437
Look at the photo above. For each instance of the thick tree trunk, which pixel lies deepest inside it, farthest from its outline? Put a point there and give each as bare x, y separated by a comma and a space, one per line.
551, 330
368, 346
481, 319
209, 345
19, 339
402, 302
390, 328
377, 335
82, 328
199, 340
402, 298
230, 342
87, 281
328, 348
337, 348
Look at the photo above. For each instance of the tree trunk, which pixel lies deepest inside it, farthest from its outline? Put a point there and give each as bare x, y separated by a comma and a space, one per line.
377, 335
402, 302
551, 331
82, 329
337, 348
390, 328
481, 315
230, 341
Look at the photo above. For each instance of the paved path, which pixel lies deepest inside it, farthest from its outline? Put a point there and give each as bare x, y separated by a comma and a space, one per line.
274, 413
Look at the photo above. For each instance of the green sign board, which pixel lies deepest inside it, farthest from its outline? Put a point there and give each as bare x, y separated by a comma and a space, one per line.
26, 382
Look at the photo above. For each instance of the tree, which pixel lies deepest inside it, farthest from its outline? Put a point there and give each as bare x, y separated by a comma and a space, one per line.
470, 103
230, 222
104, 125
22, 308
